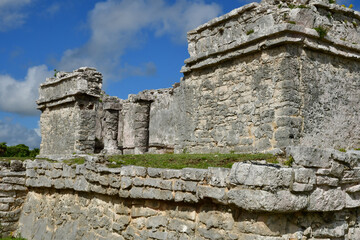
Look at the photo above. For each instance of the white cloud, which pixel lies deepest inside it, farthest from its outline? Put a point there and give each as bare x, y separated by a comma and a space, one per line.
119, 25
14, 134
20, 96
11, 14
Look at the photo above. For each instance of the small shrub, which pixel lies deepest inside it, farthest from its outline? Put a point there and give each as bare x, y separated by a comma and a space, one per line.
289, 162
250, 32
332, 1
351, 6
322, 31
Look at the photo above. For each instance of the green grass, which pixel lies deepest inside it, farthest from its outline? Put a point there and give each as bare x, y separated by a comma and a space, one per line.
342, 150
179, 161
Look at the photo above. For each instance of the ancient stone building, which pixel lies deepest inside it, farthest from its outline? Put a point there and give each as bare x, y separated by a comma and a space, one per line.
261, 77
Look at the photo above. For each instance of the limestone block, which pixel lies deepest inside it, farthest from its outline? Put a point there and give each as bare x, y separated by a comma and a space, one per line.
217, 176
187, 186
126, 182
193, 174
352, 199
305, 175
259, 200
310, 157
181, 226
171, 173
325, 180
217, 194
81, 184
301, 187
133, 171
158, 183
153, 193
326, 200
260, 175
336, 229
185, 197
156, 222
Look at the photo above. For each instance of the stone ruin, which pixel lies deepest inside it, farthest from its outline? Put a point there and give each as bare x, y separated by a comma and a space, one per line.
279, 75
258, 78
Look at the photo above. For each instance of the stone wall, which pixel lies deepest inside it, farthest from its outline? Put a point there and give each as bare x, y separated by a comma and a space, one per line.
12, 195
318, 198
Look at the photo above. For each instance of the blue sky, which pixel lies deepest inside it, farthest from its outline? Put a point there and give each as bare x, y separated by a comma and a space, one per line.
136, 44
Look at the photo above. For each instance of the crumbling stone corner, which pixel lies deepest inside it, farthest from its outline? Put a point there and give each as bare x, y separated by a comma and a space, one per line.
68, 114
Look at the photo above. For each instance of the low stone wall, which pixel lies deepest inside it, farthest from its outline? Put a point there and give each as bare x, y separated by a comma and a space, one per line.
319, 197
12, 195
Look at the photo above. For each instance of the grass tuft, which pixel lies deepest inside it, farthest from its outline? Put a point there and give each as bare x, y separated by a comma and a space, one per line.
179, 161
250, 32
322, 31
289, 162
75, 161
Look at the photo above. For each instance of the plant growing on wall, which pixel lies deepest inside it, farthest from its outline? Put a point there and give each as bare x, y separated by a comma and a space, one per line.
322, 31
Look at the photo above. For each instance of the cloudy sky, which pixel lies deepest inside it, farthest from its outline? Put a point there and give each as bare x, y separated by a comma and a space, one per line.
136, 44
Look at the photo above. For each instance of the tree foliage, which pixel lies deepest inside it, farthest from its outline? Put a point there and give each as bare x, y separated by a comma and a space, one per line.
20, 150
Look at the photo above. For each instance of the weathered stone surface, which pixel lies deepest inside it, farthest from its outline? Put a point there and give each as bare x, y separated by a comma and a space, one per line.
326, 200
260, 175
310, 157
281, 201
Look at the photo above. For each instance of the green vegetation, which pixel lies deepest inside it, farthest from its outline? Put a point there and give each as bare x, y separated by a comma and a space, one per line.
292, 22
55, 72
76, 161
332, 1
357, 149
322, 31
289, 162
250, 32
342, 150
18, 151
179, 161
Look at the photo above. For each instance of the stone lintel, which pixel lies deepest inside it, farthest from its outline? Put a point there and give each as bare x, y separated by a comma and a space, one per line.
279, 35
66, 86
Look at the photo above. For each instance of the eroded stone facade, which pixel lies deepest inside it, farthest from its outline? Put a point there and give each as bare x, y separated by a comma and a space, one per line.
258, 78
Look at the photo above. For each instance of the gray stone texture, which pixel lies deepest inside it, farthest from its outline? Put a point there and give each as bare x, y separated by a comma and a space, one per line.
249, 201
259, 78
12, 195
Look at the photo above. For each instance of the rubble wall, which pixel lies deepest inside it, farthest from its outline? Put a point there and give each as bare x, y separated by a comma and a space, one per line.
12, 195
315, 199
